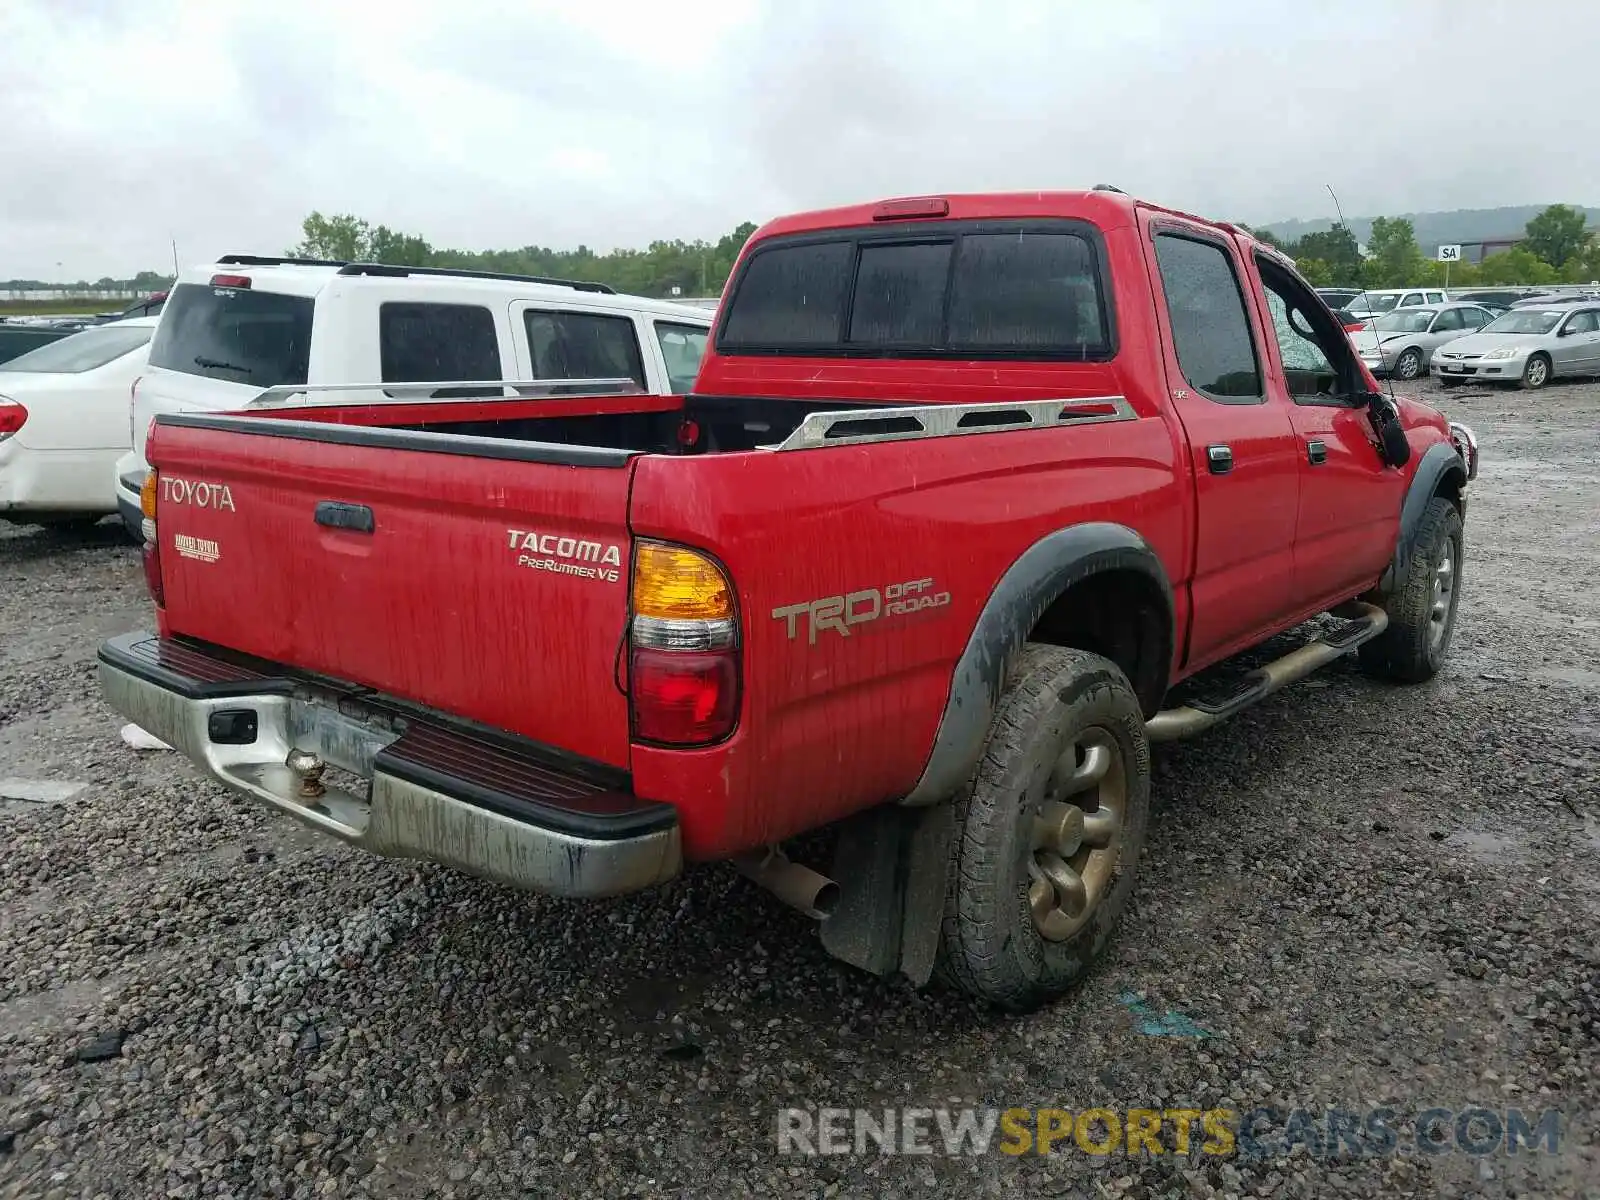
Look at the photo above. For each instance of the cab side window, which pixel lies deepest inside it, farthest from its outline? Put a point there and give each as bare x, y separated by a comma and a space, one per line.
1474, 318
1447, 321
1210, 331
1583, 322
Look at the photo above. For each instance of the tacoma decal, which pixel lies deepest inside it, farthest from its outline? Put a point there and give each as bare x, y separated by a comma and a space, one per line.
839, 613
552, 552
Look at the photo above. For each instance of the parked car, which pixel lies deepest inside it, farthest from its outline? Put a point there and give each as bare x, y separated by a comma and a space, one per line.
966, 487
1338, 298
1401, 342
1375, 303
150, 306
19, 337
1526, 346
64, 423
1504, 297
246, 323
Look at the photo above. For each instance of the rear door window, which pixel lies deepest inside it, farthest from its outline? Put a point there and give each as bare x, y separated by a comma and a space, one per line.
236, 334
424, 343
682, 347
579, 345
979, 289
1210, 331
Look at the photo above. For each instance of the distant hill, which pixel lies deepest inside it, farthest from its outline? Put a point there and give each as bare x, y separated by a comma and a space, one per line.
1435, 229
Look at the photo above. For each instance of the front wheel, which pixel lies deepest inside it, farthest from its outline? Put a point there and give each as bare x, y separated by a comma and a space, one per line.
1422, 608
1048, 831
1536, 374
1408, 365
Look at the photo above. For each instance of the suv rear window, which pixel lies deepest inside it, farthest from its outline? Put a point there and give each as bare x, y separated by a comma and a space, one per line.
970, 290
237, 334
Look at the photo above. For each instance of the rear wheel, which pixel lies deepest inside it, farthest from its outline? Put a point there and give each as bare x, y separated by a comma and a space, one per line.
1049, 831
1537, 373
1422, 609
1409, 364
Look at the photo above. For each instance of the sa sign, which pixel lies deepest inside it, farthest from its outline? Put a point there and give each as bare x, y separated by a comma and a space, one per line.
1449, 253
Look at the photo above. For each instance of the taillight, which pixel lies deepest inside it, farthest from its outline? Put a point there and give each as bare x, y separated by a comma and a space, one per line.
12, 417
683, 657
152, 547
230, 281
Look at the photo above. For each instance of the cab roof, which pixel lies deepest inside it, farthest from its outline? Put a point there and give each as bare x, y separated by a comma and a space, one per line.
1107, 208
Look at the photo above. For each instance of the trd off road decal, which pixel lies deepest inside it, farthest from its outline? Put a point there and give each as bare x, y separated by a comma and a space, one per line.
841, 613
586, 559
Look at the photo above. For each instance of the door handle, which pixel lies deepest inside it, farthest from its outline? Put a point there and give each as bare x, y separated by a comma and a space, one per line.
1316, 452
1220, 459
335, 515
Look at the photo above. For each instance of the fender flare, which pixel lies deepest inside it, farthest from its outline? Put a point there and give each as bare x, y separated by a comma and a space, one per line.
1439, 462
1039, 576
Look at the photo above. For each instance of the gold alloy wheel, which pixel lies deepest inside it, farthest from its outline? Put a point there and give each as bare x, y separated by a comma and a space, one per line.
1077, 834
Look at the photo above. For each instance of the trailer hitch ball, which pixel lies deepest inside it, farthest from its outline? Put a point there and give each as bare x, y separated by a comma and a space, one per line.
307, 769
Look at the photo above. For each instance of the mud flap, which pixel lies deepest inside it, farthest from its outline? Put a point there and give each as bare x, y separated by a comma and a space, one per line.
891, 864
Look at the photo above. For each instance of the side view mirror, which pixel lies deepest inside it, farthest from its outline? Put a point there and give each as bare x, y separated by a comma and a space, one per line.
1392, 443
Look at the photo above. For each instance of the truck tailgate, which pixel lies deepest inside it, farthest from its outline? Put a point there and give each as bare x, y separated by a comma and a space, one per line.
486, 579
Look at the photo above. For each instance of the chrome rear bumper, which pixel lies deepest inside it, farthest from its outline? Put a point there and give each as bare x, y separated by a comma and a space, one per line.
410, 789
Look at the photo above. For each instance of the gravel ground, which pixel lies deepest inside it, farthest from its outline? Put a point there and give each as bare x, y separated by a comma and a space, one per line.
1359, 895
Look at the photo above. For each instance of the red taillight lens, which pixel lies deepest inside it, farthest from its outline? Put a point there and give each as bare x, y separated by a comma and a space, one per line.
12, 417
684, 697
152, 573
1355, 326
230, 281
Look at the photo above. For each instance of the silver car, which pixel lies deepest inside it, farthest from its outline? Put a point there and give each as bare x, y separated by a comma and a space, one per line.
1402, 342
1526, 346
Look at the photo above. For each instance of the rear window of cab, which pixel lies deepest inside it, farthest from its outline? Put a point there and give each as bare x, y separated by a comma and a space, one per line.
968, 290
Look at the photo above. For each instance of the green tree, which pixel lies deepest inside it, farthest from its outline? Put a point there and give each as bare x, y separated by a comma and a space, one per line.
1337, 248
1557, 234
1315, 272
1584, 266
385, 245
342, 236
1394, 258
1516, 265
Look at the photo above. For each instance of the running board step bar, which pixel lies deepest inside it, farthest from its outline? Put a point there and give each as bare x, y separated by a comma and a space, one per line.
1366, 621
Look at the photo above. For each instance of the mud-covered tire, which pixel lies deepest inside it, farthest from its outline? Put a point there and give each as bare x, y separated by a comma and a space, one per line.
991, 945
1414, 646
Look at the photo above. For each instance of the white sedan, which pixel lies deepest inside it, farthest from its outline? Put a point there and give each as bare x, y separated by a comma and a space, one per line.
64, 423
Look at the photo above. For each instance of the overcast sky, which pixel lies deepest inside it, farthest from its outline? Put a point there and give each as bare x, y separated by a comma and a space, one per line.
613, 122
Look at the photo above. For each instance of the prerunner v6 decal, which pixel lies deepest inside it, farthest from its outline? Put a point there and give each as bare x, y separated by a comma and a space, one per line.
839, 613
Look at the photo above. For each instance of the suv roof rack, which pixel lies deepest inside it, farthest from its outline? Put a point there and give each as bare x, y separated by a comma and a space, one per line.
387, 271
260, 260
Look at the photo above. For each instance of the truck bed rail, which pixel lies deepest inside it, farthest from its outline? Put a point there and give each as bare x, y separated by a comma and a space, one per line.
280, 396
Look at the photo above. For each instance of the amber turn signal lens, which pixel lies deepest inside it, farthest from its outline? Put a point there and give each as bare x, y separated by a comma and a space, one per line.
147, 495
674, 583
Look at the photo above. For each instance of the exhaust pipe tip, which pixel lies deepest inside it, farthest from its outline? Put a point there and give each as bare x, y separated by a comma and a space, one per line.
798, 886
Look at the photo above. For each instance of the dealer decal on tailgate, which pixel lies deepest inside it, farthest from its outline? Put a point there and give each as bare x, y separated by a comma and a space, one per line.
552, 552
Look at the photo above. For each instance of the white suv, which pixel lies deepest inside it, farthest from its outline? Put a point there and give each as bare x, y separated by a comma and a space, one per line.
1374, 303
244, 324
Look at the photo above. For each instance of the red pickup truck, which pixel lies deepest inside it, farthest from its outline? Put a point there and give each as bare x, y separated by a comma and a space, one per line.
968, 491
